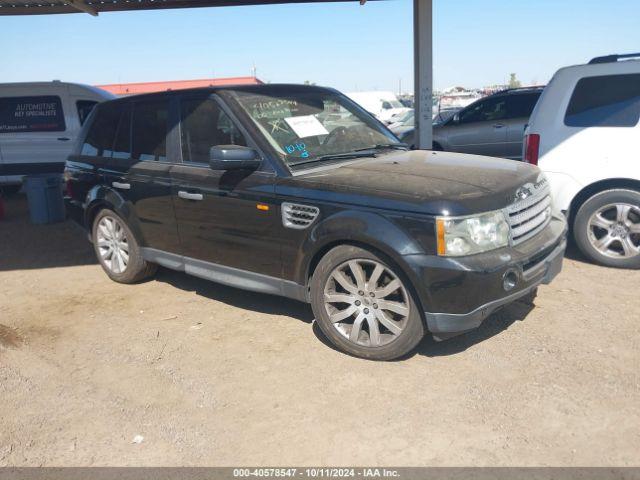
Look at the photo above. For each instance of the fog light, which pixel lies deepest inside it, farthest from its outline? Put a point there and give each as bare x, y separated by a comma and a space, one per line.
509, 280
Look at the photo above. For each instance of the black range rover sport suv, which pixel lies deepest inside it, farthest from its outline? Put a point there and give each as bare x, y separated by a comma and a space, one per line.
297, 191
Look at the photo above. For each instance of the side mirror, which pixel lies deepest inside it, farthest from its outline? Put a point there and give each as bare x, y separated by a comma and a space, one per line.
233, 157
455, 119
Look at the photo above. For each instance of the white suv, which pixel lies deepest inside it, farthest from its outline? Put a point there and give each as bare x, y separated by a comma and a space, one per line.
584, 133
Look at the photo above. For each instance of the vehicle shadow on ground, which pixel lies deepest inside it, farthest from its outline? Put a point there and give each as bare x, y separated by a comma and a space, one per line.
497, 323
256, 302
574, 253
24, 246
492, 326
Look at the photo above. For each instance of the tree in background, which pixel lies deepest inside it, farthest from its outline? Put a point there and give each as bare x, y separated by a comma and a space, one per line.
513, 81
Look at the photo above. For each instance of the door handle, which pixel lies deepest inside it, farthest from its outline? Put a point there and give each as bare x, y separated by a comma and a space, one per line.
121, 186
190, 196
498, 126
63, 139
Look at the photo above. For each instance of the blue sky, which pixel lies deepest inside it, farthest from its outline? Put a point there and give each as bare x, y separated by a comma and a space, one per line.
347, 46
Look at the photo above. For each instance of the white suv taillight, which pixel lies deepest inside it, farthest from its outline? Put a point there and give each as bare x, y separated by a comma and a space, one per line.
531, 148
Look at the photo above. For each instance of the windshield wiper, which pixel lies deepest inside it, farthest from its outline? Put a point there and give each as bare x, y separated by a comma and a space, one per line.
336, 156
384, 146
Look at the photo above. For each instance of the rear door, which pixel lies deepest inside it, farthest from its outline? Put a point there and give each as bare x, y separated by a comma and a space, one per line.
480, 129
139, 169
519, 108
94, 154
35, 131
224, 217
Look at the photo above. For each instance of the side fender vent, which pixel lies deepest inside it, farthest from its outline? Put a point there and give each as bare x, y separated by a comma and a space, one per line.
298, 216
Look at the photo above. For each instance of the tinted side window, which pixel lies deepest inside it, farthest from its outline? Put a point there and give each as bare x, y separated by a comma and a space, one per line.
31, 114
99, 140
122, 145
488, 110
204, 125
606, 101
521, 105
149, 130
84, 109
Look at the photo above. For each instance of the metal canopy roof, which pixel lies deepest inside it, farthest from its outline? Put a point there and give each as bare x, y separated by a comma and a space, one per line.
93, 7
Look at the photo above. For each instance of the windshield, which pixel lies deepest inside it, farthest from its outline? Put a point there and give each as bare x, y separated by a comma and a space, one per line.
309, 125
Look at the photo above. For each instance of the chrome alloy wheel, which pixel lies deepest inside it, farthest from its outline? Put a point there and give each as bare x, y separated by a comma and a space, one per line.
614, 230
366, 302
112, 244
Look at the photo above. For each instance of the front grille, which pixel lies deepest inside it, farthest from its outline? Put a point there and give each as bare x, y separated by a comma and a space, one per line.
529, 216
298, 216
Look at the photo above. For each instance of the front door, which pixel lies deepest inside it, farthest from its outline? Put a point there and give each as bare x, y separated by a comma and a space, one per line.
139, 170
226, 218
480, 129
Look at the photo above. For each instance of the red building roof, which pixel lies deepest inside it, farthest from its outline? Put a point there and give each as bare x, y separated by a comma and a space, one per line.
122, 89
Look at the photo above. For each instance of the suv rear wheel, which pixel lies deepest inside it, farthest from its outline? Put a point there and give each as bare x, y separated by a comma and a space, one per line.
117, 249
364, 306
607, 228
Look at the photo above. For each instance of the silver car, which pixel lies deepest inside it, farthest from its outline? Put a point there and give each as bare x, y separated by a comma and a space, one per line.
492, 126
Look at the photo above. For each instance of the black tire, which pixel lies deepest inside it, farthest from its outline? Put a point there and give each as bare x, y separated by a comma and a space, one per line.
412, 325
137, 268
8, 190
582, 232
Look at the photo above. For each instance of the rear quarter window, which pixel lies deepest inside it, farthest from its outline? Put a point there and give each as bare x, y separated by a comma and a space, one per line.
102, 131
31, 114
84, 109
605, 101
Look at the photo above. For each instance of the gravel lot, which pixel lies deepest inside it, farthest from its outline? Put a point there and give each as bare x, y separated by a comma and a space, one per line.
210, 375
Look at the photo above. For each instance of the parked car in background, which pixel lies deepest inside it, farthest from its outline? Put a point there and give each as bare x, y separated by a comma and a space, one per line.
39, 123
585, 134
405, 126
406, 100
248, 187
382, 105
492, 126
404, 120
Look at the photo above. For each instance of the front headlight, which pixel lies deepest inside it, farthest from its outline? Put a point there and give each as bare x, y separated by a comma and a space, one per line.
459, 236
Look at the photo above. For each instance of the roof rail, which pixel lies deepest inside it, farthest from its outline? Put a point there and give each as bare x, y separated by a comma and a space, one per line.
613, 58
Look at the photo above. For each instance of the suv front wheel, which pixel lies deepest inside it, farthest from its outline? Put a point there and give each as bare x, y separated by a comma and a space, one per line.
117, 249
363, 304
607, 228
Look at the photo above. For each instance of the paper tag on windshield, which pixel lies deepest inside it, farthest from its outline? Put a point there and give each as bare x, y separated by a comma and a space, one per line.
306, 126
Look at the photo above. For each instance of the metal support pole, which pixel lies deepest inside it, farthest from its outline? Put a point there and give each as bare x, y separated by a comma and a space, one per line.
423, 71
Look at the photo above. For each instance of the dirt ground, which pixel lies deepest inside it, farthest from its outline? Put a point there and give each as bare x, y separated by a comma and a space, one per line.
210, 375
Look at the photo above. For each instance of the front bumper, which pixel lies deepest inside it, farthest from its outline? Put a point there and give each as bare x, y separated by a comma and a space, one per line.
460, 293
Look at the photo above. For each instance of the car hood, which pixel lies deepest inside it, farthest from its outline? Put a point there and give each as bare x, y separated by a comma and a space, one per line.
419, 181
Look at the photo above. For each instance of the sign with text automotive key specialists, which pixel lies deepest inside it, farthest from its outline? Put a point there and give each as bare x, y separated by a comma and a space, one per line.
31, 114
